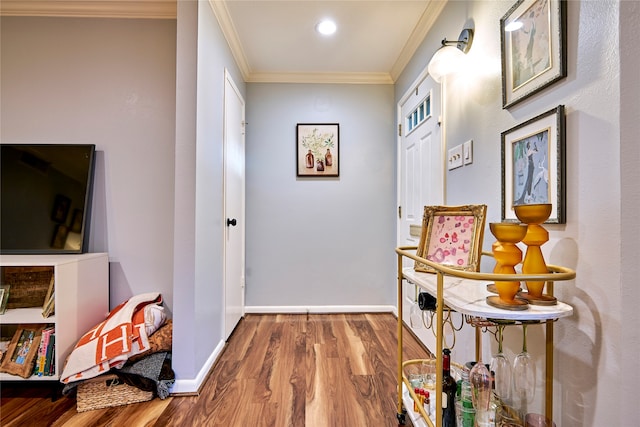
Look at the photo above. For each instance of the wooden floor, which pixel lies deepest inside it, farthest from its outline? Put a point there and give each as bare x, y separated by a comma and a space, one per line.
318, 370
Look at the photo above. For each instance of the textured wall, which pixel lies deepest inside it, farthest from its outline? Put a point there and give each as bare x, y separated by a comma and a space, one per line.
589, 345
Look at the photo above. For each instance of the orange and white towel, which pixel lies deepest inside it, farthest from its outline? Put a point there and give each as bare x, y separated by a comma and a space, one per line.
110, 344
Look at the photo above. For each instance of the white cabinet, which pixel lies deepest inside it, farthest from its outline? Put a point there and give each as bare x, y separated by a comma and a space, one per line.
81, 300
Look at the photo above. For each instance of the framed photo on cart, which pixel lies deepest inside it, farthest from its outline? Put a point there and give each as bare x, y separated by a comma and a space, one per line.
534, 48
318, 149
533, 165
451, 236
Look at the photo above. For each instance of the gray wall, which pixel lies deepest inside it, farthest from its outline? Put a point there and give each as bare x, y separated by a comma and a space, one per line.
109, 82
316, 243
630, 197
149, 94
600, 97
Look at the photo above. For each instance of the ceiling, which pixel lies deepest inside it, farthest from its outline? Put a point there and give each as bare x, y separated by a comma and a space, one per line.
276, 41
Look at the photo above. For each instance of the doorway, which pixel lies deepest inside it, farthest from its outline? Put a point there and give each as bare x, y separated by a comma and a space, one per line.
420, 177
234, 207
420, 157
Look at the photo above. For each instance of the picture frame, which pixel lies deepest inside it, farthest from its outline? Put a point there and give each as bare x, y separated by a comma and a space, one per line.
60, 210
4, 297
318, 149
533, 35
76, 221
21, 353
452, 236
48, 304
59, 236
533, 165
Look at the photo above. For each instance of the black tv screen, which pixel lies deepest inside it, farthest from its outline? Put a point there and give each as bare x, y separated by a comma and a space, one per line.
45, 197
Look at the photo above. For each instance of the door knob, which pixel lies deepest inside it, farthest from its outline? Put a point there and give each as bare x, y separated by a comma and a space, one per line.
232, 222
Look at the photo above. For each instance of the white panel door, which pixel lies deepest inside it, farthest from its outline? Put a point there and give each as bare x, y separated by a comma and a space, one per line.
421, 159
234, 179
420, 176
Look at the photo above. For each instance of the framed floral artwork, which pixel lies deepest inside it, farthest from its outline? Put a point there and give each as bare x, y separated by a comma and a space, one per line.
318, 150
533, 165
452, 236
534, 48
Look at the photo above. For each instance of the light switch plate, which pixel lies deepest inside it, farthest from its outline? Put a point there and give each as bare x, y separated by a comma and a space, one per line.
467, 152
454, 159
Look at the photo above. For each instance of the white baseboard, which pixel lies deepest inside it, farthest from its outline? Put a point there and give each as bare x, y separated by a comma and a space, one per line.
318, 309
192, 386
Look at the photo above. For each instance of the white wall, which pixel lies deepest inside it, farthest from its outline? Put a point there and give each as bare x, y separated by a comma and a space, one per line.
203, 55
589, 373
317, 243
109, 82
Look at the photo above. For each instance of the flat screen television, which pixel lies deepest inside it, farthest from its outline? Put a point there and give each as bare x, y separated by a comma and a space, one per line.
45, 198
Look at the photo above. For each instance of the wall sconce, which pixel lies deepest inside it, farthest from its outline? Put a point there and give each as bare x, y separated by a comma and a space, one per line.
449, 56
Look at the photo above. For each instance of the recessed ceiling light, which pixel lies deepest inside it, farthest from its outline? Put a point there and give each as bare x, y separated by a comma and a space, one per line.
326, 27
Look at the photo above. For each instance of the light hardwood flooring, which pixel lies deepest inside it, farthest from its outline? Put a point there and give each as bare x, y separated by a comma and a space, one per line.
320, 370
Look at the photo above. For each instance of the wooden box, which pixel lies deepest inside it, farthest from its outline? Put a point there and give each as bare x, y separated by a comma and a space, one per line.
28, 285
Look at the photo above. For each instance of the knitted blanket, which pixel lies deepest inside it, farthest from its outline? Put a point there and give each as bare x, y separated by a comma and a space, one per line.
151, 373
110, 343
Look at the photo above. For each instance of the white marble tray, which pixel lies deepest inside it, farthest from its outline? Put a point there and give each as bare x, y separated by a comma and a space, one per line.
468, 296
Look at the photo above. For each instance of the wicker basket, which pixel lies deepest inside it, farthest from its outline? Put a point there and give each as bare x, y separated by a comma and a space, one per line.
106, 391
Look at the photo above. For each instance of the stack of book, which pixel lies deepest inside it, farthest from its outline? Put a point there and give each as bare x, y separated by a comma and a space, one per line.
45, 360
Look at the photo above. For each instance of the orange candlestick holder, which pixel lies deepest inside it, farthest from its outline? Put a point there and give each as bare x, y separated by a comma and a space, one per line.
534, 263
507, 256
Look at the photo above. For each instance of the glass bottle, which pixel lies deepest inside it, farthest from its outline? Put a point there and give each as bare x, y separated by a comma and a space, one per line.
309, 160
328, 158
427, 402
418, 399
467, 413
320, 165
449, 388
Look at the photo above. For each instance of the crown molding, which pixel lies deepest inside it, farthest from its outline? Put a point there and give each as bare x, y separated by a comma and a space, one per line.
221, 12
140, 9
337, 78
428, 18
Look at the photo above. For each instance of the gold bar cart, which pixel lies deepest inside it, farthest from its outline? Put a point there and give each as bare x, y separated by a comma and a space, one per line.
468, 298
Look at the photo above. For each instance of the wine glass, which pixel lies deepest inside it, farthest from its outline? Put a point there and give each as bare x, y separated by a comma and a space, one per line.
415, 316
524, 376
480, 379
427, 368
501, 367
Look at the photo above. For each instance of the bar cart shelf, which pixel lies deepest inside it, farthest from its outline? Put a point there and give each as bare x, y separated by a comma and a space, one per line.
465, 292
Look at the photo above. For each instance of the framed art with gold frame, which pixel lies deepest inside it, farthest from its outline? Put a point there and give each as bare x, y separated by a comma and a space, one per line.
452, 236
